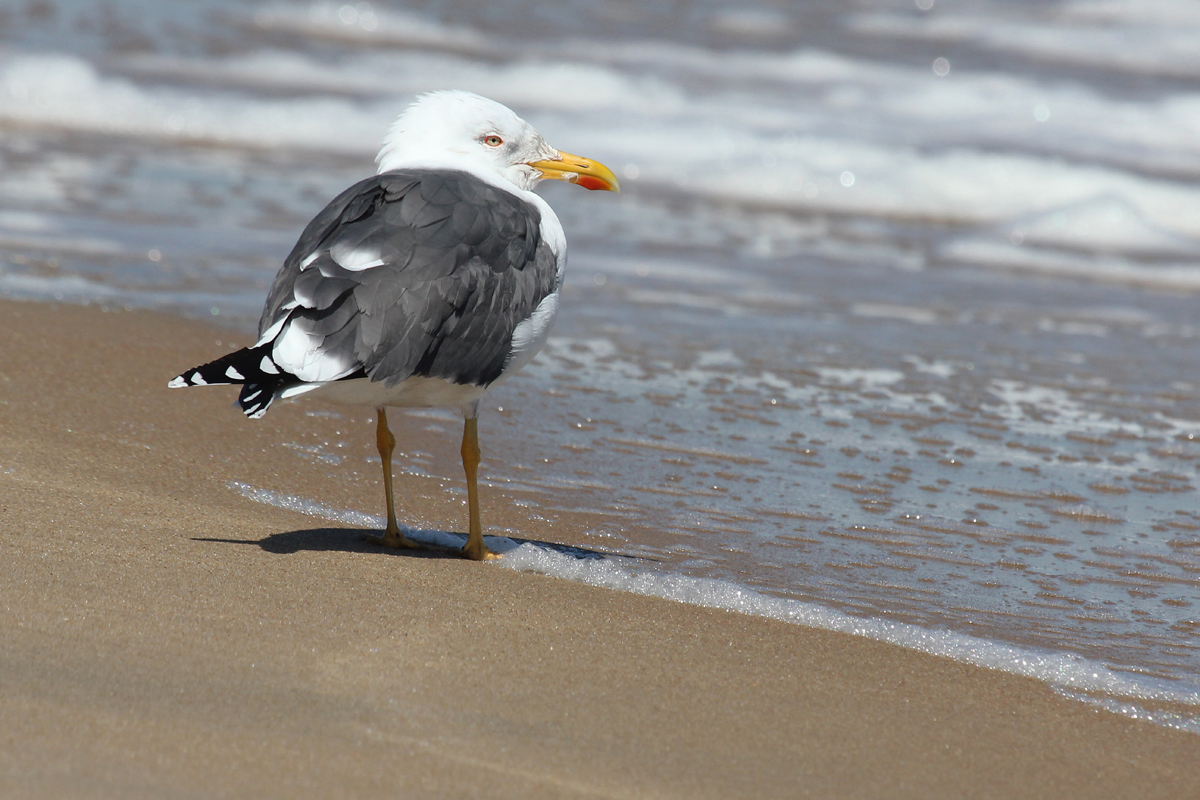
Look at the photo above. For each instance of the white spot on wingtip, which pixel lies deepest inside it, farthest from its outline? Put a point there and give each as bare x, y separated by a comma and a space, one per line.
197, 379
268, 366
231, 372
177, 383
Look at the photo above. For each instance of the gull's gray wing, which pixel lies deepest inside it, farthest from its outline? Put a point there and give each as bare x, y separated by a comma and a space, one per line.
411, 272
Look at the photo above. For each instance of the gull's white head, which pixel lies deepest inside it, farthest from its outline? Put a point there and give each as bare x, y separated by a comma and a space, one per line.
461, 130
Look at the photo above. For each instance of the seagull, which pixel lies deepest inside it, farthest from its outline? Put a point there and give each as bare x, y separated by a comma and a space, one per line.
421, 286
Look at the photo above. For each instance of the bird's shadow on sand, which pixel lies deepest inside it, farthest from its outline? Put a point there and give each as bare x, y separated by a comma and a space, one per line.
443, 545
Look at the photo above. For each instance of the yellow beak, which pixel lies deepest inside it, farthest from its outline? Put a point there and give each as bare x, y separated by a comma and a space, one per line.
578, 170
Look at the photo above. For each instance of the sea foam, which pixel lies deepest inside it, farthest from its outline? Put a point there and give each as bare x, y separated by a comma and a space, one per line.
1070, 172
1070, 675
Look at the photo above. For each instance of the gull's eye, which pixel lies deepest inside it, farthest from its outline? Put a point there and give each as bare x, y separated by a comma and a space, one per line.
493, 141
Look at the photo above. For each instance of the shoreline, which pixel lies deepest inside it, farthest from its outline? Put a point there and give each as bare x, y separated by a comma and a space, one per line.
164, 633
1164, 702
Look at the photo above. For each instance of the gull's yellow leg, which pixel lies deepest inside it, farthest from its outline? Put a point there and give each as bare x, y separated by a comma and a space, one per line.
474, 549
386, 442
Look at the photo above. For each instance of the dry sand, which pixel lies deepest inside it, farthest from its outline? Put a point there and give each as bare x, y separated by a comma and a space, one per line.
164, 637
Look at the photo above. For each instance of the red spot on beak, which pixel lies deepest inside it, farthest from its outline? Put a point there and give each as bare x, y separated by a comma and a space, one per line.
588, 182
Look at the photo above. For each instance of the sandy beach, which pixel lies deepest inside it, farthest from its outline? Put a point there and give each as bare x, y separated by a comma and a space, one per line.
163, 636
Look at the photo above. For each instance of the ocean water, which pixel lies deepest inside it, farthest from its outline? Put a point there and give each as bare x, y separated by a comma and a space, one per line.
893, 328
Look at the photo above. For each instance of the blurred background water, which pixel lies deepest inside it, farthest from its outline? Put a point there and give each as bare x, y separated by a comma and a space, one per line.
895, 314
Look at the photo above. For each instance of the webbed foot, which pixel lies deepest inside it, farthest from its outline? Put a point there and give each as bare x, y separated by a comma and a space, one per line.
476, 550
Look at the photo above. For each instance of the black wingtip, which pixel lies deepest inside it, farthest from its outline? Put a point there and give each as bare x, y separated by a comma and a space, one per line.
253, 367
255, 399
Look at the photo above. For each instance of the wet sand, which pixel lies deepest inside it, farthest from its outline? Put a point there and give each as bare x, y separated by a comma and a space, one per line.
163, 636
